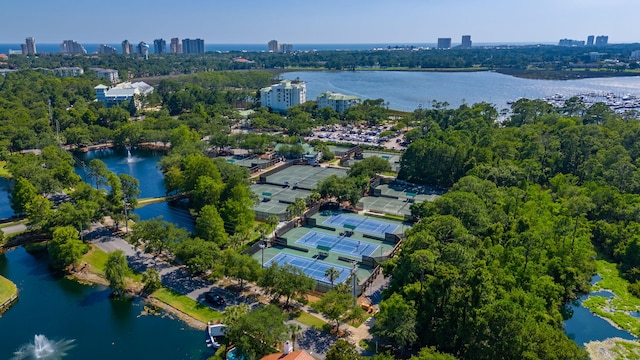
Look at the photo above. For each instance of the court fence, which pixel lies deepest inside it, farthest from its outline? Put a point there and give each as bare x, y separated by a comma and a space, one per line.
263, 177
255, 167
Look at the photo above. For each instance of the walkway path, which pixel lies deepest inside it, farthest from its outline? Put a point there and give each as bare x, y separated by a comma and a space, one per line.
179, 279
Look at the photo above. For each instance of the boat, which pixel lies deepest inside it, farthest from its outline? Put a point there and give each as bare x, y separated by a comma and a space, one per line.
215, 332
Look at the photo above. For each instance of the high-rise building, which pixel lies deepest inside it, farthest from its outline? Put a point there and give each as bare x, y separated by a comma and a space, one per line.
466, 42
127, 48
143, 49
281, 96
159, 46
72, 47
286, 48
590, 40
106, 49
176, 47
444, 43
602, 40
273, 46
192, 46
30, 46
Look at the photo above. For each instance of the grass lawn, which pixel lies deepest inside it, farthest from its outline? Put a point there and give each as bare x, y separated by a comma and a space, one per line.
98, 261
3, 170
311, 320
614, 309
187, 305
7, 289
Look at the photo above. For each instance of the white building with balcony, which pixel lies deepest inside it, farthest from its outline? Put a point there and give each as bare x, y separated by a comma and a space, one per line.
281, 96
124, 92
336, 101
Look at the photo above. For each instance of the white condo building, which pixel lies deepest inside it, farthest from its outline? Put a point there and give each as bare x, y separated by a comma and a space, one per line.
281, 96
336, 101
123, 92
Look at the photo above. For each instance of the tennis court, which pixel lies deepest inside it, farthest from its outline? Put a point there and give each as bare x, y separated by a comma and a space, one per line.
339, 244
385, 205
315, 269
303, 176
365, 225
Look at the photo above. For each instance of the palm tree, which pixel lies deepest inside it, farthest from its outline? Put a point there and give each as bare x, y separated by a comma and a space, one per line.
296, 332
333, 274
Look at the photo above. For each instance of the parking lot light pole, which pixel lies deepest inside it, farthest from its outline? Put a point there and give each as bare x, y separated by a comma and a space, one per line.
262, 246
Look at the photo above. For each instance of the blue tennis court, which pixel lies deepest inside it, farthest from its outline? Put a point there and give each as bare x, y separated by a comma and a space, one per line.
364, 225
339, 244
315, 269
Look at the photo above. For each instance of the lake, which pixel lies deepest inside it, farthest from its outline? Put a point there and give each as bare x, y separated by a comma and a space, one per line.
5, 201
82, 321
141, 164
407, 90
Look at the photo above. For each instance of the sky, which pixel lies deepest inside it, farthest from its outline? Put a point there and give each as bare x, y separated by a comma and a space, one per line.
319, 22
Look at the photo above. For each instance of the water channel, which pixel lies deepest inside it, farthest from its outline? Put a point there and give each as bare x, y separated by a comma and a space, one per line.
82, 321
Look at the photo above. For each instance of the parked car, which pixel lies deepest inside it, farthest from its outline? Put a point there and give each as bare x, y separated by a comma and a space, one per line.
214, 299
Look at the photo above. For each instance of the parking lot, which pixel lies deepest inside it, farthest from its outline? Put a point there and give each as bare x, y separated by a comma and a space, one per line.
359, 135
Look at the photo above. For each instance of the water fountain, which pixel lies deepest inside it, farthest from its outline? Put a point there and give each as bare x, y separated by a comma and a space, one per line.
130, 158
43, 348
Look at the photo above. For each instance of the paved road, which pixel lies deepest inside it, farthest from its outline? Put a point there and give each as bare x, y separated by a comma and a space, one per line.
14, 229
179, 279
174, 277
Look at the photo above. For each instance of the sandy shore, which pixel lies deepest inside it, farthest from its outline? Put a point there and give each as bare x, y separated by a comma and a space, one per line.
613, 349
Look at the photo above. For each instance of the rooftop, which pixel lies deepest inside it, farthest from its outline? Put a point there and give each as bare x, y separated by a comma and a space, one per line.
294, 355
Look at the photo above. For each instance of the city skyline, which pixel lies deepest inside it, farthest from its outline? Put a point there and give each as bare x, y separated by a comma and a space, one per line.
252, 22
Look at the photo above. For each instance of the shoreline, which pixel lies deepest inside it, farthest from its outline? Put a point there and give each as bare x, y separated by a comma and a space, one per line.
88, 277
613, 348
12, 294
517, 73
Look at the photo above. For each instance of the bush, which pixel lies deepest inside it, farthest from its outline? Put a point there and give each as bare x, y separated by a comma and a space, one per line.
634, 289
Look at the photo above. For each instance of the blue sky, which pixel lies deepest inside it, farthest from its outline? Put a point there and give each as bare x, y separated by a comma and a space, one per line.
319, 22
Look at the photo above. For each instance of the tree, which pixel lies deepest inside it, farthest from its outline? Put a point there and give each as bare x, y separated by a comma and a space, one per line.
430, 353
258, 333
241, 267
151, 280
210, 227
116, 271
286, 280
370, 167
332, 274
39, 211
396, 321
272, 221
295, 331
343, 350
130, 190
334, 305
98, 172
157, 235
23, 193
66, 248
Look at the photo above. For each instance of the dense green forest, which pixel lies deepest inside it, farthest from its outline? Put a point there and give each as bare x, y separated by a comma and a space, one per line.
487, 271
540, 57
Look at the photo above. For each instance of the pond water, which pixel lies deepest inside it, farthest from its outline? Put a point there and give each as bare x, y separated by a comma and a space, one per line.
82, 321
5, 202
584, 326
141, 164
